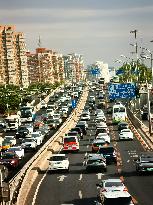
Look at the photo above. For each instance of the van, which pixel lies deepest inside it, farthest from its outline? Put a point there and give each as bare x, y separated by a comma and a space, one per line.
70, 143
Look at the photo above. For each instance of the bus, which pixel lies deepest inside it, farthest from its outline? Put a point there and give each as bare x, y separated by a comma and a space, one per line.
27, 114
119, 113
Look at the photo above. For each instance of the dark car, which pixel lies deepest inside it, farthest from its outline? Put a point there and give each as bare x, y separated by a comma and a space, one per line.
109, 110
83, 128
109, 153
10, 159
78, 130
122, 125
22, 131
144, 163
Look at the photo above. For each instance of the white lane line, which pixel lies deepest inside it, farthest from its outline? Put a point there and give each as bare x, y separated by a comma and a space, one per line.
128, 161
86, 154
37, 189
87, 146
80, 194
80, 177
83, 163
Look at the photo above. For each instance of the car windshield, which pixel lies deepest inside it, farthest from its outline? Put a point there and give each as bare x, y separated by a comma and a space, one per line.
94, 161
27, 140
13, 149
69, 139
147, 159
57, 158
7, 156
106, 150
113, 184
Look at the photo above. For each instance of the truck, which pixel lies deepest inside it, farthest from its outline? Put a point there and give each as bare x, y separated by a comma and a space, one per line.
13, 122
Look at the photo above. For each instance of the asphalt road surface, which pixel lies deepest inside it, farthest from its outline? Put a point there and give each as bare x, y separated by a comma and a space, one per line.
79, 188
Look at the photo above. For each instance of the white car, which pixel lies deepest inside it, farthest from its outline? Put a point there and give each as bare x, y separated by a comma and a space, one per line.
99, 111
126, 134
85, 116
57, 117
29, 127
18, 151
37, 136
29, 144
58, 162
104, 136
12, 139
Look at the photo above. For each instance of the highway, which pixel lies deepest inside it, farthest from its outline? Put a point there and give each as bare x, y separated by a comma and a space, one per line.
79, 188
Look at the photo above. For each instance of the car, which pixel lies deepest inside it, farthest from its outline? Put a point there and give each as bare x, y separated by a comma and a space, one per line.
78, 130
109, 110
114, 198
81, 122
57, 116
108, 185
22, 132
92, 99
126, 134
37, 136
10, 138
82, 127
85, 116
29, 144
99, 111
102, 130
144, 162
58, 162
104, 136
9, 159
97, 143
52, 123
95, 162
73, 133
122, 125
18, 150
109, 153
6, 144
70, 143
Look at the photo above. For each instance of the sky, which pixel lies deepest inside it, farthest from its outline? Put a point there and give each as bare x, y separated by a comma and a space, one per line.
97, 29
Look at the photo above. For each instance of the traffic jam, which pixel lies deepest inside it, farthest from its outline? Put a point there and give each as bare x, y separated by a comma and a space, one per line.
22, 134
93, 137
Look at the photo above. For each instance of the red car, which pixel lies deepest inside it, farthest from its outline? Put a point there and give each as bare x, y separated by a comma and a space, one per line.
9, 159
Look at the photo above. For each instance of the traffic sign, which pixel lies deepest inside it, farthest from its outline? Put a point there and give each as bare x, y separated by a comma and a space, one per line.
73, 103
95, 71
121, 90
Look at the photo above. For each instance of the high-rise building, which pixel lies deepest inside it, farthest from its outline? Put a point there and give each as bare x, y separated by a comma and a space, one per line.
45, 66
13, 60
73, 66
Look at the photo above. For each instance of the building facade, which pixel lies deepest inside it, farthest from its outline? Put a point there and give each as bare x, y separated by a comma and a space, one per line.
13, 60
73, 67
45, 66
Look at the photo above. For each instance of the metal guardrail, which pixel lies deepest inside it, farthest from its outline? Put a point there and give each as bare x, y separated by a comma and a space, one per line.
16, 181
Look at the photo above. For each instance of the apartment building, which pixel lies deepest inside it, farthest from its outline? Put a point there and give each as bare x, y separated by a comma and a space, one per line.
73, 66
45, 66
13, 60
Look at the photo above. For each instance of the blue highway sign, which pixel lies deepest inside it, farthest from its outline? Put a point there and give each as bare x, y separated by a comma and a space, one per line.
73, 103
95, 71
121, 90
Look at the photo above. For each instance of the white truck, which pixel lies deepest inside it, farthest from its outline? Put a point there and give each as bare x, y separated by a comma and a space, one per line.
13, 122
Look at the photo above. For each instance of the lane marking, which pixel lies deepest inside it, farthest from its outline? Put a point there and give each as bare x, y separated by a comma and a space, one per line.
61, 178
99, 175
37, 189
80, 194
128, 161
87, 146
83, 163
86, 154
80, 177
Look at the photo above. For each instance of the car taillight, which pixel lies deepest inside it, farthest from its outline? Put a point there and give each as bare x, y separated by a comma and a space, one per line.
125, 189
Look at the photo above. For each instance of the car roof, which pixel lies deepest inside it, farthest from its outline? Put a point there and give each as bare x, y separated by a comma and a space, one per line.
94, 156
98, 140
58, 155
146, 154
112, 180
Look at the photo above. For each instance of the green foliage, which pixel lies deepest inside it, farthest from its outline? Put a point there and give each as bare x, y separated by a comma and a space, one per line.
135, 72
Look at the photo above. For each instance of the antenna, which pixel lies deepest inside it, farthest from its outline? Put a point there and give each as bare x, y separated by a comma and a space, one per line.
39, 42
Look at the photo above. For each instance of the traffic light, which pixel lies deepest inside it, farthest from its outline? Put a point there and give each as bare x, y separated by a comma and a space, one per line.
137, 93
